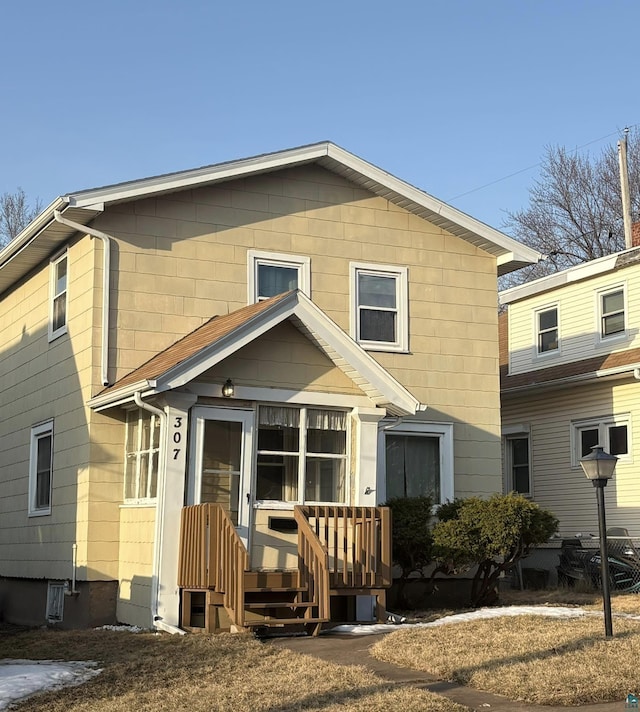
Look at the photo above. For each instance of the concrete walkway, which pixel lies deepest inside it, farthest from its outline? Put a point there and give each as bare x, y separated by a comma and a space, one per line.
354, 650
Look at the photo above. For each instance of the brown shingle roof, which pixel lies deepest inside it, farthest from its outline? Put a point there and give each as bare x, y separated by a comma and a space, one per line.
546, 376
211, 331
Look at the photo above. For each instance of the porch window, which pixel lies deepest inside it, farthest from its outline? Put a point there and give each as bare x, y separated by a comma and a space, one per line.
302, 455
142, 448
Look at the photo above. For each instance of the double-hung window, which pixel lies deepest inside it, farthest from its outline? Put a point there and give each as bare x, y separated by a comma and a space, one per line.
417, 459
41, 469
302, 455
517, 461
271, 273
613, 433
379, 307
612, 312
58, 296
547, 330
142, 448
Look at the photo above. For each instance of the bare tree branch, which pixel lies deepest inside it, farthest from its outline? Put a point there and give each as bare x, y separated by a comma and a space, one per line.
15, 214
575, 209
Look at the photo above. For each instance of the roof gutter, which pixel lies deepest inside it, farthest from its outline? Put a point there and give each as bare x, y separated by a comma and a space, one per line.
106, 273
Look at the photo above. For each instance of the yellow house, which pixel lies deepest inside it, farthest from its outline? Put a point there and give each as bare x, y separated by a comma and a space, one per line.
212, 379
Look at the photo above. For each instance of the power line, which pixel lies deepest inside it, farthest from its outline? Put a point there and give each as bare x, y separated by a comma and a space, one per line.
536, 165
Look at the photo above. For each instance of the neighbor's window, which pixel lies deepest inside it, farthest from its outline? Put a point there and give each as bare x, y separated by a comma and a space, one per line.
517, 464
58, 298
613, 434
302, 454
547, 330
41, 469
612, 313
142, 448
379, 308
418, 460
270, 273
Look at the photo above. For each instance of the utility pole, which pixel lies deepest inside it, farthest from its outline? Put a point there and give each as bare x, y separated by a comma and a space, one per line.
624, 185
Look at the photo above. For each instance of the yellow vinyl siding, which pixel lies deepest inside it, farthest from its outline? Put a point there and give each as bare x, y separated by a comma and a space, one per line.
556, 484
578, 323
183, 258
137, 533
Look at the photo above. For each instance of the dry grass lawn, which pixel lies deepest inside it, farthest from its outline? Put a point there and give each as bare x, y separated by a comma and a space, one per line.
531, 658
147, 671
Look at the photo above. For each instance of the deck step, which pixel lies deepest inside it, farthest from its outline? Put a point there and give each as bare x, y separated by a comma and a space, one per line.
279, 604
274, 589
282, 621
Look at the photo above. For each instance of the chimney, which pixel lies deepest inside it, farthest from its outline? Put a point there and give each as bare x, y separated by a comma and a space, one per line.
635, 234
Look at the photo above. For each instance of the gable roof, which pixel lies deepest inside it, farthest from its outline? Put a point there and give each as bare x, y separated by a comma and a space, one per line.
40, 238
222, 336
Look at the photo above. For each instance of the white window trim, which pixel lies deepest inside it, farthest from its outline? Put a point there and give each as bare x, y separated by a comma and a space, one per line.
443, 431
54, 334
509, 483
602, 423
139, 501
278, 259
38, 432
302, 456
402, 293
622, 335
536, 332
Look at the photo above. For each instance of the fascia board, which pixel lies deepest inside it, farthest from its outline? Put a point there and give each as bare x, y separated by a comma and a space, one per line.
604, 374
31, 231
318, 323
107, 400
199, 176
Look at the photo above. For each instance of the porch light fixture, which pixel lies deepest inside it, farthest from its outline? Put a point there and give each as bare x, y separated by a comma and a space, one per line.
228, 389
599, 467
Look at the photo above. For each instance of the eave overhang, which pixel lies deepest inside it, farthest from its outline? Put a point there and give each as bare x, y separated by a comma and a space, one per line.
43, 235
188, 358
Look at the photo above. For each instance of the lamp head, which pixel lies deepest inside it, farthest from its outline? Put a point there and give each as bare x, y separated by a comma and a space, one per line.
598, 464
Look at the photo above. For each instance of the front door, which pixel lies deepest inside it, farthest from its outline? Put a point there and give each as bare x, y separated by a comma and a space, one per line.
221, 468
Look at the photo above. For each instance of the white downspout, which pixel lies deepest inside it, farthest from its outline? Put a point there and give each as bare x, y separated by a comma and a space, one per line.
106, 271
159, 528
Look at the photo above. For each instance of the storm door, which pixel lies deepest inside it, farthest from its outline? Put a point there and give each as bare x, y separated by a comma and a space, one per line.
221, 465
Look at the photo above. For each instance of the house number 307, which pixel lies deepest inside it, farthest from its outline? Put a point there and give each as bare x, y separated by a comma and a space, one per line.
177, 436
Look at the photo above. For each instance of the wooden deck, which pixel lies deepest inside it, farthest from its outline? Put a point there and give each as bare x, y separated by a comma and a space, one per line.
342, 551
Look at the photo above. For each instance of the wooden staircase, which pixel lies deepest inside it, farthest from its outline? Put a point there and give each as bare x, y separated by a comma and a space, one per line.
220, 593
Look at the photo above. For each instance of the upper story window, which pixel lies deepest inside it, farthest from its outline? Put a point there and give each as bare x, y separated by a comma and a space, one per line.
547, 330
271, 273
41, 469
302, 455
58, 296
612, 433
142, 448
379, 307
612, 312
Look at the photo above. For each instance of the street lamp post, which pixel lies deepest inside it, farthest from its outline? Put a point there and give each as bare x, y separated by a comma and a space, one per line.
599, 466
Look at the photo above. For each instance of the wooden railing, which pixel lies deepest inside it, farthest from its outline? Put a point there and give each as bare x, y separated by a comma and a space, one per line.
357, 541
212, 556
313, 566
